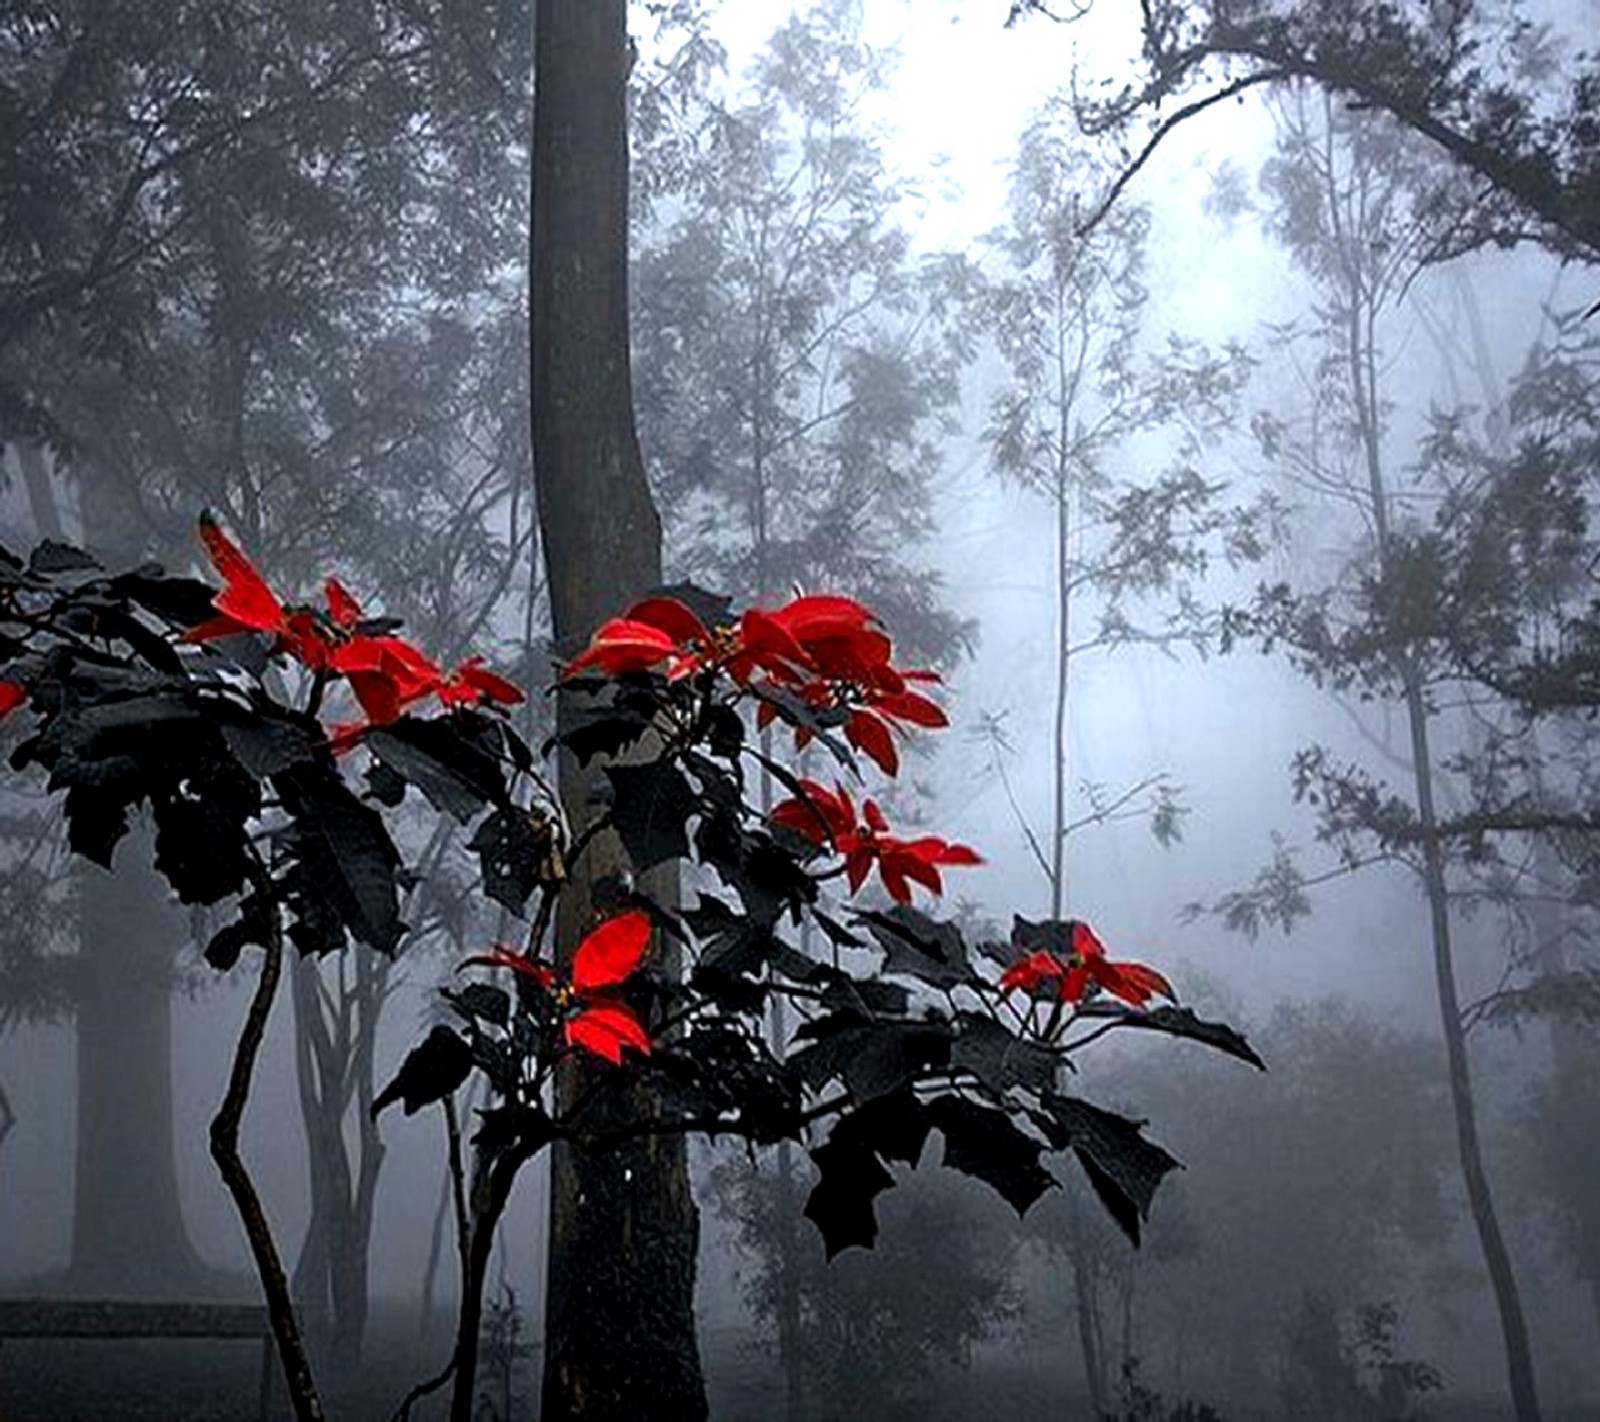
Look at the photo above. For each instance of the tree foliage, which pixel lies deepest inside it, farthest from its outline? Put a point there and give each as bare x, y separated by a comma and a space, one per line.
1488, 85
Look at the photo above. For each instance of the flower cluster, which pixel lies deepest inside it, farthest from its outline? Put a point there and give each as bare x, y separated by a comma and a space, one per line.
385, 673
593, 1017
826, 650
1068, 973
828, 819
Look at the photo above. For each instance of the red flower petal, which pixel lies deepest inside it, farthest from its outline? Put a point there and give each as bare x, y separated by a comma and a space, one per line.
472, 682
605, 1029
669, 616
910, 706
12, 695
245, 596
1134, 983
342, 608
622, 646
766, 643
823, 615
612, 951
1074, 983
508, 958
871, 737
1085, 942
1029, 972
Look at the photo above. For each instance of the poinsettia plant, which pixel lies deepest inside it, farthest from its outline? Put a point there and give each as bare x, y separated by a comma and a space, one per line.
270, 739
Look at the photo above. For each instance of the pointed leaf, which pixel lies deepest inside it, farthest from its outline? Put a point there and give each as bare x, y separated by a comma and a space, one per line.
431, 1071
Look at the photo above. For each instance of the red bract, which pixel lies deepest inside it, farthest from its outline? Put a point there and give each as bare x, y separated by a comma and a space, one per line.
1084, 966
654, 630
623, 645
603, 1024
386, 674
829, 817
472, 683
245, 603
12, 695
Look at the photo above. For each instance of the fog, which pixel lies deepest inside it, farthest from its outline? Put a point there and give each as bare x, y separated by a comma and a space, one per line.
349, 386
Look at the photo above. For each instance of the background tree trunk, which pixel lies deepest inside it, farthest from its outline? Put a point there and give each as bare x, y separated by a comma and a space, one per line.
128, 1234
619, 1323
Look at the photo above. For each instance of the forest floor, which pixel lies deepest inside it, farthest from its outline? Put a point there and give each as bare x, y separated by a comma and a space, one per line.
182, 1381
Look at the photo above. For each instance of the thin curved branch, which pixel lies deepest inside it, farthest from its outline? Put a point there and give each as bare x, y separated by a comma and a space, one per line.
1188, 111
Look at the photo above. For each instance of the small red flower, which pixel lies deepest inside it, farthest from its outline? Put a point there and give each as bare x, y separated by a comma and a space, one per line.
472, 683
605, 959
828, 817
1083, 966
12, 695
386, 674
623, 645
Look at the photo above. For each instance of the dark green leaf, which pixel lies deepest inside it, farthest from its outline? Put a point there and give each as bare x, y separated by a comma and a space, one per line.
988, 1145
1124, 1168
919, 946
481, 1000
513, 851
999, 1058
430, 1072
345, 856
456, 776
841, 1202
1181, 1022
52, 557
650, 808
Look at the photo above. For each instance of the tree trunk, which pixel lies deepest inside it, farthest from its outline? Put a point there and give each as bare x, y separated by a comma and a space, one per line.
1361, 356
619, 1323
128, 1232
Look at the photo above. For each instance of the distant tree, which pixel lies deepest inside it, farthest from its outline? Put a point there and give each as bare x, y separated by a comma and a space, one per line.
796, 365
879, 1332
1065, 313
1342, 190
797, 361
1327, 1177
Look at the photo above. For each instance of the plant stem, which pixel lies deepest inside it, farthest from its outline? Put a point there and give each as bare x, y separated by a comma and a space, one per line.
298, 1378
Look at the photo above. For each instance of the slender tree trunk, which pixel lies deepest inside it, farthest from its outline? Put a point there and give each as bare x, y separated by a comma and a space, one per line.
1361, 355
1086, 1299
1574, 1059
619, 1321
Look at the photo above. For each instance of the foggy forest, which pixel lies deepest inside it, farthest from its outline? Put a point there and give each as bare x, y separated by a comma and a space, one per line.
845, 709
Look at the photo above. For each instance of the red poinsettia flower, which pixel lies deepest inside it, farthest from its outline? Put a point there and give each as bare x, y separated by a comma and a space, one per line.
652, 631
247, 604
1083, 966
386, 674
472, 683
828, 817
602, 1024
12, 695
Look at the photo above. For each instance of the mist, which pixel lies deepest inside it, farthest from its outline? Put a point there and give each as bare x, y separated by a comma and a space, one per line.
1225, 476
